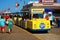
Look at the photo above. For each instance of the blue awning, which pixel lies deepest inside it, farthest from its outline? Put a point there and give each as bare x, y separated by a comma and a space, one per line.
48, 10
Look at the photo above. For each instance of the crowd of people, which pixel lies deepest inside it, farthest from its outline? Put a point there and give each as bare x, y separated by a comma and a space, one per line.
6, 21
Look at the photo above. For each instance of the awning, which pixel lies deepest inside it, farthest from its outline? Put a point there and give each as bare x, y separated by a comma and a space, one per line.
48, 10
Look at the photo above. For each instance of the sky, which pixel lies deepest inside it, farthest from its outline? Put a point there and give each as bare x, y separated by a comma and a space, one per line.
4, 4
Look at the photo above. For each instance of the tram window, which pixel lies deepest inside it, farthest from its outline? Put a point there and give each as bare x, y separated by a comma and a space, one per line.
19, 15
26, 15
37, 15
40, 15
15, 15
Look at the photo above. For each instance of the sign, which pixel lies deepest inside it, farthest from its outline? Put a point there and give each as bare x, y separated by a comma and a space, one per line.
37, 10
47, 2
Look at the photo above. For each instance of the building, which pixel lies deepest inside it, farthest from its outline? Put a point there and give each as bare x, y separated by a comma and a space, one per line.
51, 4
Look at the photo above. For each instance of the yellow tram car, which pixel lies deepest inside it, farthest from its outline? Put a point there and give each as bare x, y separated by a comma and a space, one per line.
35, 21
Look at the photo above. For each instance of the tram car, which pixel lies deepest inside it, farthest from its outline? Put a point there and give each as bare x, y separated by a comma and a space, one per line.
34, 20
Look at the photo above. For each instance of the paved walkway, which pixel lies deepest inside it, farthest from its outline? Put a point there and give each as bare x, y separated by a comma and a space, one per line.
17, 34
55, 31
53, 34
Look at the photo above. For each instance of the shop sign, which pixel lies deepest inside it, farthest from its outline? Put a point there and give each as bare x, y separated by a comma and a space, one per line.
47, 2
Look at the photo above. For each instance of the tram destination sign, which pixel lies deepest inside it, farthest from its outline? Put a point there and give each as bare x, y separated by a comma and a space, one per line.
37, 10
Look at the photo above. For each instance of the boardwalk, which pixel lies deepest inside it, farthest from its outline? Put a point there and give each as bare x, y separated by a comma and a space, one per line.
17, 34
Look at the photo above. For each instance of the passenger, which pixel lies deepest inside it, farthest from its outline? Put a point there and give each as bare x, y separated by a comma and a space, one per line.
2, 24
47, 16
53, 18
10, 24
53, 21
44, 14
50, 18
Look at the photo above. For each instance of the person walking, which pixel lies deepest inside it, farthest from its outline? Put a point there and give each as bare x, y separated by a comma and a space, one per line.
10, 24
6, 16
2, 24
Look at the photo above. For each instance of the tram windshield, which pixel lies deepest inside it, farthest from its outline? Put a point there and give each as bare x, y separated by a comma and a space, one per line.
37, 15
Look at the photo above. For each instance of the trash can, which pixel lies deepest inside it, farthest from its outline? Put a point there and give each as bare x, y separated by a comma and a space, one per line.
58, 22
